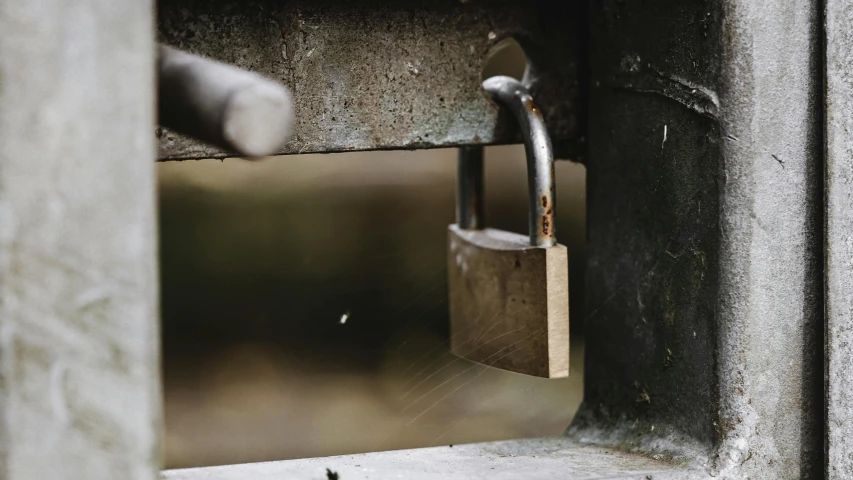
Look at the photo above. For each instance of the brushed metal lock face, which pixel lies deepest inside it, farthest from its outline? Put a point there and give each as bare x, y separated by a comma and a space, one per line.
509, 293
509, 303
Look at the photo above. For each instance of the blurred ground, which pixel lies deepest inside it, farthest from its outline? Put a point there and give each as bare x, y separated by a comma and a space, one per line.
260, 262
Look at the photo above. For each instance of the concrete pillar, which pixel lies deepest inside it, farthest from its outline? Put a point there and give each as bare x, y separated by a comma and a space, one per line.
79, 370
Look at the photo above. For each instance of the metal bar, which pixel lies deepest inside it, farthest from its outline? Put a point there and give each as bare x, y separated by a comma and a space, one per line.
510, 93
222, 105
392, 74
470, 197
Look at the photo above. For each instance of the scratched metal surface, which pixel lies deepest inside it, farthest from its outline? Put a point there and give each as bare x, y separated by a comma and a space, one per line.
384, 75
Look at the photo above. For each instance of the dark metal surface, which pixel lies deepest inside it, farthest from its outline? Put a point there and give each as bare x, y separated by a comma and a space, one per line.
470, 197
385, 75
511, 94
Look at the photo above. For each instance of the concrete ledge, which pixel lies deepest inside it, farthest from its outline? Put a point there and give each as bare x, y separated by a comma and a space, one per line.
547, 458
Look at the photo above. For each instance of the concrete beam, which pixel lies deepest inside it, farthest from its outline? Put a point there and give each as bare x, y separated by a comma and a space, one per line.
386, 75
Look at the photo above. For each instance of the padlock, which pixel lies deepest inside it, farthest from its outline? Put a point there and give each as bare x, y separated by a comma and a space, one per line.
509, 293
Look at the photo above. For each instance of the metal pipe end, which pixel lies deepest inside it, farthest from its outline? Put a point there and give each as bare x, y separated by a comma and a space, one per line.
502, 88
258, 120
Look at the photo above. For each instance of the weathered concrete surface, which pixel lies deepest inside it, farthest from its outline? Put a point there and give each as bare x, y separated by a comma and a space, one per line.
770, 309
528, 459
839, 239
385, 74
653, 228
704, 324
79, 374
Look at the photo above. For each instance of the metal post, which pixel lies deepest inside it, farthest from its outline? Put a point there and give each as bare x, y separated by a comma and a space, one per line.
470, 198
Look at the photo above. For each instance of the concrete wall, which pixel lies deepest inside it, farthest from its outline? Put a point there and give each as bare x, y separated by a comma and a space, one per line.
839, 247
79, 372
704, 285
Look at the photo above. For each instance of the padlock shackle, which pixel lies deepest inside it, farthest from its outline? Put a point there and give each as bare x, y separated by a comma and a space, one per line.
509, 92
470, 206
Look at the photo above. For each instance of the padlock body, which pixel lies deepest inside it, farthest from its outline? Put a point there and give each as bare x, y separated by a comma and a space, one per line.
509, 302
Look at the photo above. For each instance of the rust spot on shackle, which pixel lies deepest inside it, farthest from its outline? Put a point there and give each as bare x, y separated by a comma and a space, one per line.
510, 93
546, 225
